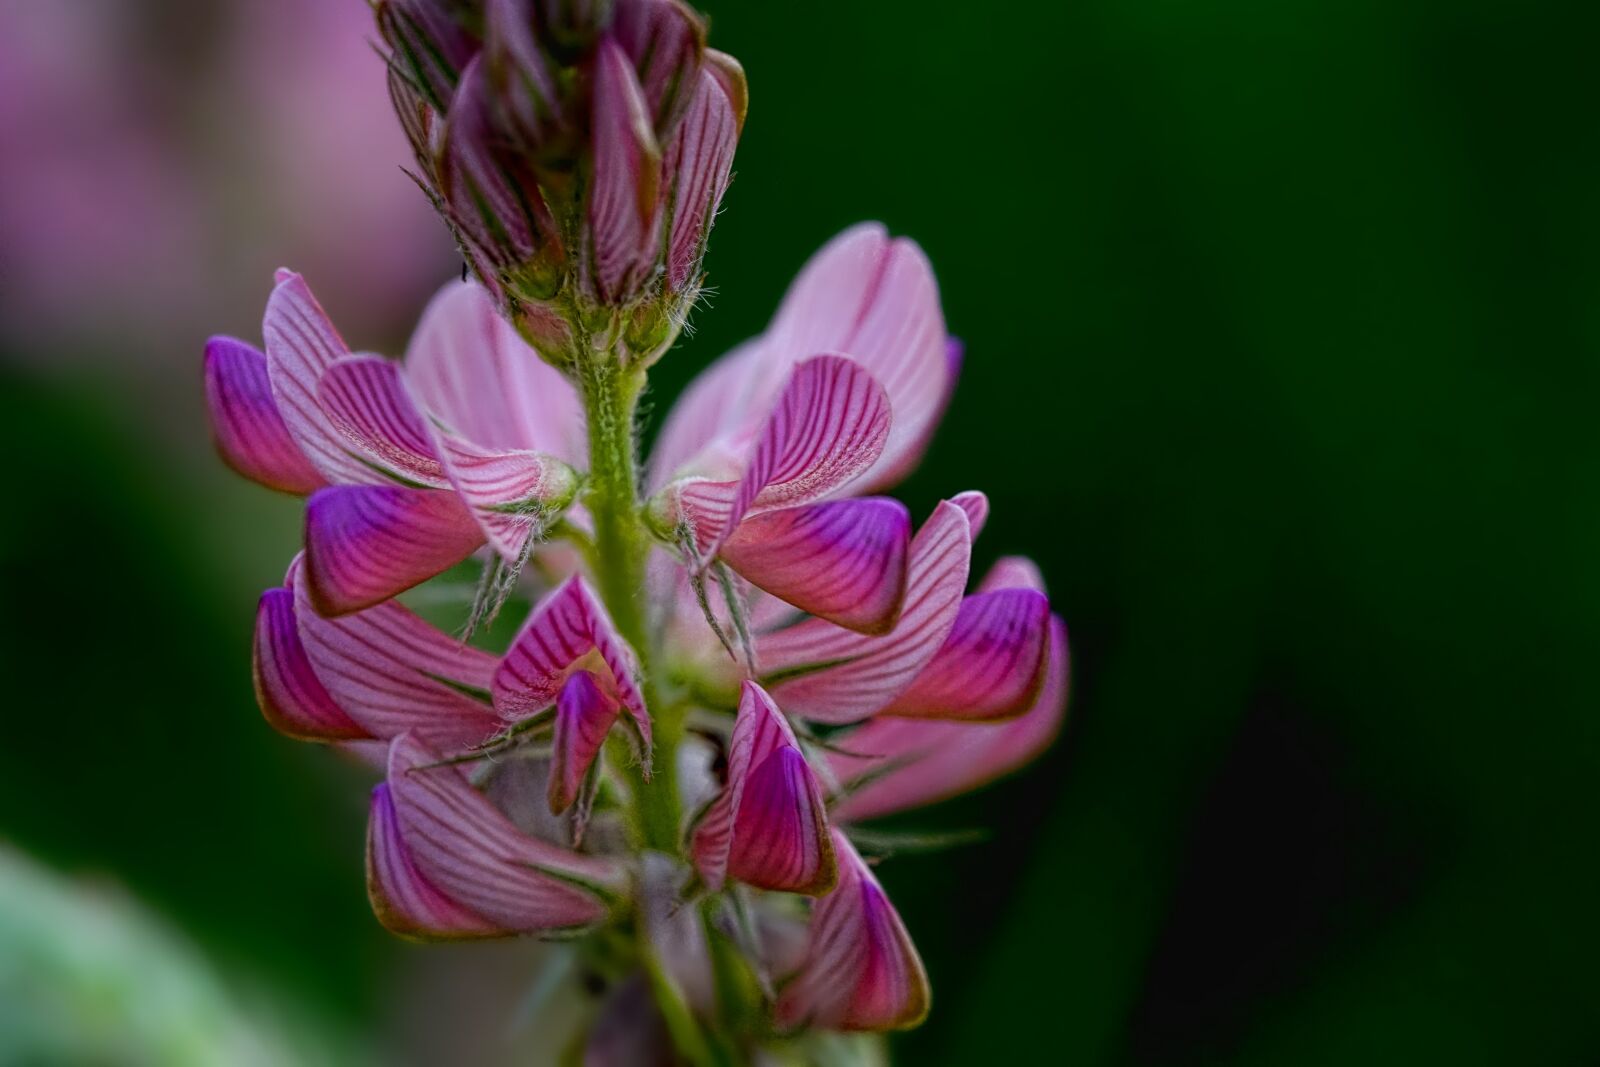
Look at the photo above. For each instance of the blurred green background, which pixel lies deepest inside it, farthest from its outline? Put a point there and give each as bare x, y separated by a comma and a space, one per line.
1283, 353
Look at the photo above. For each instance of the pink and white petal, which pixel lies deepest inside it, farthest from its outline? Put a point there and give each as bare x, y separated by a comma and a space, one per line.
698, 161
367, 543
829, 425
465, 847
512, 495
824, 672
564, 629
403, 900
875, 299
861, 971
1012, 572
841, 560
470, 369
301, 345
245, 424
368, 400
990, 666
622, 204
976, 505
291, 696
392, 673
906, 456
914, 762
584, 714
710, 407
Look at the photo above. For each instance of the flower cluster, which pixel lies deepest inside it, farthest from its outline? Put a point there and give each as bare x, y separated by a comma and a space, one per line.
728, 662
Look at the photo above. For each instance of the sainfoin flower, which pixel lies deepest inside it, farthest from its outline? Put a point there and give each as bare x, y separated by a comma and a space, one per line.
724, 666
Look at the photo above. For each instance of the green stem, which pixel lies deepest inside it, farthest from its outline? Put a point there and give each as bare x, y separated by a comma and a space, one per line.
621, 550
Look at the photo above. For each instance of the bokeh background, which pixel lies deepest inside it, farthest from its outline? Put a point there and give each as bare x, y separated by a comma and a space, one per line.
1283, 358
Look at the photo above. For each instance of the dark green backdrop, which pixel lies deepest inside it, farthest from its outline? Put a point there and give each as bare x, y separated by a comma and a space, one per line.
1282, 361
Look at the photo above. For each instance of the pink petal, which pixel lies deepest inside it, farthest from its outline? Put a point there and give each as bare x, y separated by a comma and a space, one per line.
462, 845
301, 345
291, 696
991, 665
249, 432
404, 901
874, 299
512, 495
390, 672
698, 161
921, 762
976, 505
663, 41
584, 714
565, 628
367, 543
366, 399
823, 672
828, 426
712, 403
768, 827
861, 971
623, 221
470, 369
843, 560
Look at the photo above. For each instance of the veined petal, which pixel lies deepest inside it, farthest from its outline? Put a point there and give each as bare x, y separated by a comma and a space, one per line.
698, 161
663, 41
470, 369
861, 971
584, 714
710, 404
301, 345
841, 560
567, 627
463, 846
250, 434
976, 505
404, 901
991, 665
906, 763
367, 543
291, 696
768, 827
829, 425
622, 215
512, 495
366, 398
823, 672
390, 672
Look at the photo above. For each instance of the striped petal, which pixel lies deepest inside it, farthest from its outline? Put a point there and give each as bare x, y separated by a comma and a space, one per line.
584, 714
390, 672
976, 505
991, 665
861, 971
768, 828
823, 672
472, 854
623, 221
842, 560
698, 161
249, 433
366, 399
905, 763
301, 345
712, 403
470, 370
570, 628
829, 424
404, 901
291, 696
368, 543
513, 496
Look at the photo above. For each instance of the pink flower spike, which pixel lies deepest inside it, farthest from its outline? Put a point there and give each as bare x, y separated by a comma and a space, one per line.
291, 696
861, 971
367, 543
913, 762
623, 222
829, 424
471, 853
841, 560
404, 901
584, 714
301, 345
569, 631
822, 672
698, 162
768, 828
392, 673
249, 432
991, 665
